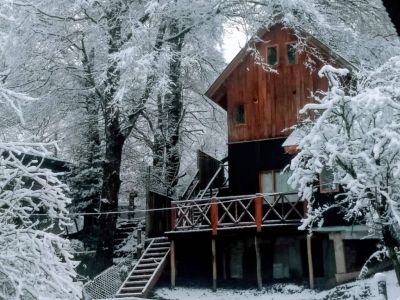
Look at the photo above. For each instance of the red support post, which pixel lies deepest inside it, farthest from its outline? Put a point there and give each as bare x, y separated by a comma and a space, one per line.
214, 216
173, 216
258, 212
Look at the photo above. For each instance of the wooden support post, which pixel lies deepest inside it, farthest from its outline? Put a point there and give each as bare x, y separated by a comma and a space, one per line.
340, 258
173, 265
214, 216
224, 275
258, 212
173, 216
310, 262
214, 264
258, 263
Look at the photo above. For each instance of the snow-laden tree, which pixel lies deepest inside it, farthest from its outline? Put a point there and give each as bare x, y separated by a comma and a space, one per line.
354, 132
34, 260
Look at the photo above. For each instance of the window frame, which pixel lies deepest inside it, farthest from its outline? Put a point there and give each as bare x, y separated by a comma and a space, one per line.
274, 173
328, 190
287, 56
276, 46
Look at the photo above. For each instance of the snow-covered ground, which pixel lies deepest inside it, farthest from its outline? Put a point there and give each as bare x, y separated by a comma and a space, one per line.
362, 289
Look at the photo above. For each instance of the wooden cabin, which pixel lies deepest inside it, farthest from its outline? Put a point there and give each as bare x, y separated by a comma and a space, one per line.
255, 238
237, 222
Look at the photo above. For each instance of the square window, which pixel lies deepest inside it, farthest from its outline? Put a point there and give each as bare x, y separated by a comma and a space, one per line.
272, 56
291, 54
239, 114
276, 181
326, 181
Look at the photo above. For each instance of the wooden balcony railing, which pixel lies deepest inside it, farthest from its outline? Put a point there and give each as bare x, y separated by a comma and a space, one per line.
237, 212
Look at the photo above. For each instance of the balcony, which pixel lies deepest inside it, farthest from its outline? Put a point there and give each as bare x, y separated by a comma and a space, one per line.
224, 213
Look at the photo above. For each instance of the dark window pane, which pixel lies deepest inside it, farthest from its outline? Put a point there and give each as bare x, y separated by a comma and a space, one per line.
239, 114
291, 54
272, 56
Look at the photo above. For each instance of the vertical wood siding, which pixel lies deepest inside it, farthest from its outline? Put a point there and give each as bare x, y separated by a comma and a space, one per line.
272, 101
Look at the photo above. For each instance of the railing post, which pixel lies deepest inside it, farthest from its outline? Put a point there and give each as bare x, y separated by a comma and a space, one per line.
173, 216
214, 216
258, 212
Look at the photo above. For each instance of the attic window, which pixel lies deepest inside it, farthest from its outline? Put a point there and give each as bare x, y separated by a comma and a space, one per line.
239, 114
291, 54
272, 56
326, 181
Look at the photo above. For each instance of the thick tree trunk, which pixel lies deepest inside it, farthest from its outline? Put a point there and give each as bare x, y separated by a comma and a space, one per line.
114, 142
174, 108
109, 198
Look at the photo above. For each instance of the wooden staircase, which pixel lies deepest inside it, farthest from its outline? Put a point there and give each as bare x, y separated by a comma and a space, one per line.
146, 272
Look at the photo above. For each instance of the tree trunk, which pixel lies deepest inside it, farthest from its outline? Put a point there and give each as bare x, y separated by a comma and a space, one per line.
114, 142
109, 197
174, 108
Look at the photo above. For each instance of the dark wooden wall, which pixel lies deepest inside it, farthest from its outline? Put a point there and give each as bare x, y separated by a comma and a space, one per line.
159, 221
208, 166
272, 101
247, 160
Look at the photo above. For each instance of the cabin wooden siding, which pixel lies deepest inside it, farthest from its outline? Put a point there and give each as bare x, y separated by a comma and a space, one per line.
271, 100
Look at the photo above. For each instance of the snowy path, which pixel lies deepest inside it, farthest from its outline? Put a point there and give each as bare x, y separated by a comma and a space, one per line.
363, 289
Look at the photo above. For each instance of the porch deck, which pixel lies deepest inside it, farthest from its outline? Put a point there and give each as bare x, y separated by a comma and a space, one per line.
237, 212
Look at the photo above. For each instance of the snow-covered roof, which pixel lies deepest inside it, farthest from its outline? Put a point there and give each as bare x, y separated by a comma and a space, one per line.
294, 138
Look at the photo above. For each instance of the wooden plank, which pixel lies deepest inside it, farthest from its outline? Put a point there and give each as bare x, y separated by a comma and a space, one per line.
258, 263
173, 216
214, 264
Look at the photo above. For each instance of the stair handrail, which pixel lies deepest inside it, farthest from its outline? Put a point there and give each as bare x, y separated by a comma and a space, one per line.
193, 189
211, 181
189, 185
155, 274
133, 269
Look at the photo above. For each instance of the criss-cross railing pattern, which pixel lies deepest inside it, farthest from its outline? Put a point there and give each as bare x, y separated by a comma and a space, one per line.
236, 212
282, 207
191, 214
230, 212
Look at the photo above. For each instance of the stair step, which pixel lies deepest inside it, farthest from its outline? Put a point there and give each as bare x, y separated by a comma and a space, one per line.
158, 244
158, 249
132, 289
126, 295
150, 260
146, 266
157, 255
135, 277
154, 254
143, 271
136, 283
